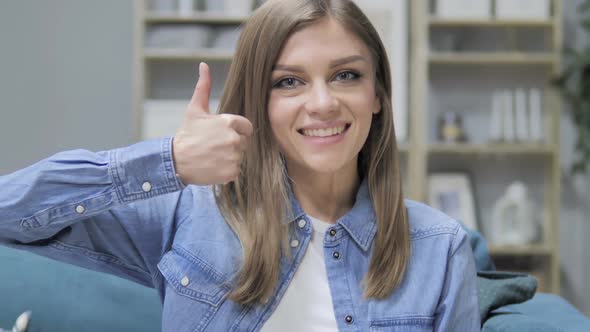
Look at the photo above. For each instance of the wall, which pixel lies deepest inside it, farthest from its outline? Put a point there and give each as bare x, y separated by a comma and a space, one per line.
66, 77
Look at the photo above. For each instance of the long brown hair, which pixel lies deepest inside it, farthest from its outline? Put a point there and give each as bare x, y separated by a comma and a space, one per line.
254, 204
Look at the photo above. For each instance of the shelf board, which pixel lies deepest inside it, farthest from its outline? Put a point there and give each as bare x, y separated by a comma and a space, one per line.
451, 22
196, 17
482, 58
514, 148
189, 54
527, 250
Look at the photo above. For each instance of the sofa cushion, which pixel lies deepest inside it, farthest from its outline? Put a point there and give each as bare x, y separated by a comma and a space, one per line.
544, 312
497, 289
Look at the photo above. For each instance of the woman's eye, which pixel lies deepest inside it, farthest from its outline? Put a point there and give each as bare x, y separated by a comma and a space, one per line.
346, 76
287, 83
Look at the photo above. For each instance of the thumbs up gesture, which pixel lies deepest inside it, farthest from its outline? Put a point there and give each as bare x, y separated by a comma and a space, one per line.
208, 148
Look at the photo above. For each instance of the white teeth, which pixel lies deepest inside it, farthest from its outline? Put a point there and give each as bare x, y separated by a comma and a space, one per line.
323, 132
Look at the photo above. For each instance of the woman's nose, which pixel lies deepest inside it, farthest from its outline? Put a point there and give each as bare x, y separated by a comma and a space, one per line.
321, 100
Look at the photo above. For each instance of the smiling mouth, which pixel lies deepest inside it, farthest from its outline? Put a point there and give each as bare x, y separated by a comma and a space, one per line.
324, 132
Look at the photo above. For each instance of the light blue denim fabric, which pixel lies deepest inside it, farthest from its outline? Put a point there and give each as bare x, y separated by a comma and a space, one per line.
125, 212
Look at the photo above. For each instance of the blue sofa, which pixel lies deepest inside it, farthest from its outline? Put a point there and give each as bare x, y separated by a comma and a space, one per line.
66, 298
511, 304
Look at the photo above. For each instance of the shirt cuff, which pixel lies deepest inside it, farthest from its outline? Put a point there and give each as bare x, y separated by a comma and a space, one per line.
144, 170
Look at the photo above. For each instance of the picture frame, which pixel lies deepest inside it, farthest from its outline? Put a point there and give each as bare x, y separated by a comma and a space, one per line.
452, 193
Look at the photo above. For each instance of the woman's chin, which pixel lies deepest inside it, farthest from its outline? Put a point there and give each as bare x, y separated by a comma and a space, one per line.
324, 165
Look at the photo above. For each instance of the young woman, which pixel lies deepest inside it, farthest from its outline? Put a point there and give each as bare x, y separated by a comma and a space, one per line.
283, 213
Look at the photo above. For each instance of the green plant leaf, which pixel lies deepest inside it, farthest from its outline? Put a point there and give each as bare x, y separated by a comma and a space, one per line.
570, 51
586, 24
574, 85
584, 6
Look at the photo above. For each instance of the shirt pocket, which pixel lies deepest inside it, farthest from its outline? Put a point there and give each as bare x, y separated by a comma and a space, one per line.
193, 278
195, 292
403, 324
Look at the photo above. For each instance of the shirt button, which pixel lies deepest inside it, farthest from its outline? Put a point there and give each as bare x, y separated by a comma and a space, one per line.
146, 186
336, 254
332, 232
348, 319
294, 243
301, 223
184, 281
80, 209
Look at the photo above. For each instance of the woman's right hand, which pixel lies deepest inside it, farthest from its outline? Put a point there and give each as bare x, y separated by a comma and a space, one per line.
208, 148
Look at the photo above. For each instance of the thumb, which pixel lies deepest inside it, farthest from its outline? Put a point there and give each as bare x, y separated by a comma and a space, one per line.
200, 99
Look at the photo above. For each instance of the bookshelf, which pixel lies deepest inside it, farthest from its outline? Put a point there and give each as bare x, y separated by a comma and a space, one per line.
489, 162
167, 74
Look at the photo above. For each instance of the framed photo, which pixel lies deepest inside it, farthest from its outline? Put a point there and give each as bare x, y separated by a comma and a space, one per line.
452, 193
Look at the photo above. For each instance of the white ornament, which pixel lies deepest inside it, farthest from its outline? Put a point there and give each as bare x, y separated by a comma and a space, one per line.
513, 219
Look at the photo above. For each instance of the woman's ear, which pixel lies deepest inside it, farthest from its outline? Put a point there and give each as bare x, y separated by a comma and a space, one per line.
377, 105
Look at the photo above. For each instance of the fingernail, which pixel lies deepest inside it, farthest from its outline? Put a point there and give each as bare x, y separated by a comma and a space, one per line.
200, 68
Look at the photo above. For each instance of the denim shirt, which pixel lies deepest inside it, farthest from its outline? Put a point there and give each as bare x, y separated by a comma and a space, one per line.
125, 212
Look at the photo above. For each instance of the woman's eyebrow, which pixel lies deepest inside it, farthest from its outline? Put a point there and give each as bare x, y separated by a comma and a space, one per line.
287, 68
345, 60
333, 63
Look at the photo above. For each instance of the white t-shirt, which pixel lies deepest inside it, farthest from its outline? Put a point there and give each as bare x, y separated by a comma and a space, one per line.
307, 302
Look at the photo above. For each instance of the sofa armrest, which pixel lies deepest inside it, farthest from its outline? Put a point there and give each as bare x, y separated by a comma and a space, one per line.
544, 312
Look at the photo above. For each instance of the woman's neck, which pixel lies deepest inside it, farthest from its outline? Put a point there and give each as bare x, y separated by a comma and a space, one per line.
325, 196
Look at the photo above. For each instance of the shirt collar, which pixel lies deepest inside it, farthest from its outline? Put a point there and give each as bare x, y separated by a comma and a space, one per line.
359, 222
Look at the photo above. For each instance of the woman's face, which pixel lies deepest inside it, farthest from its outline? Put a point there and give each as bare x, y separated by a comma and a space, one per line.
323, 98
